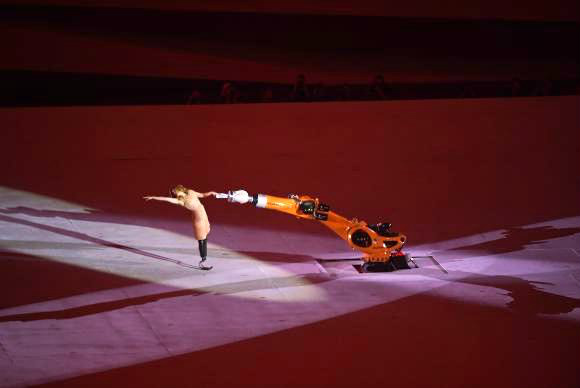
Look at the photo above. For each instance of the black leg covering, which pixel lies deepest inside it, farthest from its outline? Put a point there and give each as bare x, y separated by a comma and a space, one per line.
202, 248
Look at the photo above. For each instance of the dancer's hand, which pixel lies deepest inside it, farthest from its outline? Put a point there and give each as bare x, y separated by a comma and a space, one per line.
148, 198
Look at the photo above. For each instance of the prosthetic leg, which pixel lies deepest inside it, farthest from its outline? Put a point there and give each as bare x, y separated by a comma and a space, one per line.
203, 254
381, 248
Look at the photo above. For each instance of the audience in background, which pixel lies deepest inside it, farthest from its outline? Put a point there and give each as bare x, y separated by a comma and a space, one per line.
320, 92
378, 89
543, 88
87, 90
516, 87
229, 93
194, 97
300, 91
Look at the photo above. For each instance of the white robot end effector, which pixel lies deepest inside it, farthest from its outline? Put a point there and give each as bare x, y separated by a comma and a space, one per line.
238, 196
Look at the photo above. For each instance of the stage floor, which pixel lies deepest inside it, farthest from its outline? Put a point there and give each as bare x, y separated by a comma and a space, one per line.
89, 300
97, 288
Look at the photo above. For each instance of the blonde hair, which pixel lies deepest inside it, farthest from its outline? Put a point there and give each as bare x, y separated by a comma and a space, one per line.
179, 189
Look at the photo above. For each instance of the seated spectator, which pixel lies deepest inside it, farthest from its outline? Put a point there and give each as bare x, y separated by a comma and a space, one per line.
543, 88
378, 89
320, 92
300, 91
516, 87
229, 93
194, 97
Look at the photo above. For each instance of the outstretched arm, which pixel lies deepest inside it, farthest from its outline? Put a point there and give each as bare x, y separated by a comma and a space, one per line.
174, 201
205, 195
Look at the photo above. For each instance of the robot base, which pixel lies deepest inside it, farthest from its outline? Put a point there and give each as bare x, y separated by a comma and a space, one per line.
395, 263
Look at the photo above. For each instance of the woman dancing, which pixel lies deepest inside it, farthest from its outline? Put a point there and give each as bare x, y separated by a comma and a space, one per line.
189, 199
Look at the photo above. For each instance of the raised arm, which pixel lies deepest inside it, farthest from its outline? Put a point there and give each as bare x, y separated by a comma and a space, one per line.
174, 201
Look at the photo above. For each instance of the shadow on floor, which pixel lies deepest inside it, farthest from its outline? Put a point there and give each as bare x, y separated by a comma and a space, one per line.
518, 238
421, 341
220, 289
91, 239
527, 297
27, 279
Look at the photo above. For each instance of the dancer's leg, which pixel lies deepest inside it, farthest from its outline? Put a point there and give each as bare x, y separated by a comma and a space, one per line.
202, 248
202, 244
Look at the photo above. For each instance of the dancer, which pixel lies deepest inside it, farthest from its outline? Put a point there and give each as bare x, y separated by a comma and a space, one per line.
189, 199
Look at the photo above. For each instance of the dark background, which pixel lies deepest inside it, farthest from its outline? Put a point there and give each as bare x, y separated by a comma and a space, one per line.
73, 53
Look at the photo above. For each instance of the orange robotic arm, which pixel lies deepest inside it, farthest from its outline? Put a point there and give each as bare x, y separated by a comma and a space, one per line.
376, 242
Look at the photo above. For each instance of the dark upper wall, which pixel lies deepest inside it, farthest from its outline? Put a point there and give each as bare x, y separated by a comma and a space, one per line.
277, 47
555, 10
